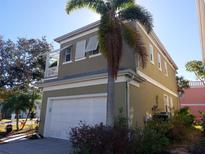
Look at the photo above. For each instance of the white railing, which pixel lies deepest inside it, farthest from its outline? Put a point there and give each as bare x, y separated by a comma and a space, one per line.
53, 71
196, 84
51, 58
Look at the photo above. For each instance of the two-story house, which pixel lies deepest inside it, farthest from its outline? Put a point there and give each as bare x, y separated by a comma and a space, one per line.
75, 84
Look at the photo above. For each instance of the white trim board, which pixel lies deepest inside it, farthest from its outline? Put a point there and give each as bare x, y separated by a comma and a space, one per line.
193, 104
79, 35
77, 96
83, 83
156, 83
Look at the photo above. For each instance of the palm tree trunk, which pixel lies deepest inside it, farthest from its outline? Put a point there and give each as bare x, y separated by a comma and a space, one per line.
29, 112
17, 120
110, 98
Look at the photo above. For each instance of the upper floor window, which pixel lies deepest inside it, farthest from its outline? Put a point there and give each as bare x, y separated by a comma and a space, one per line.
166, 69
68, 54
92, 46
151, 50
80, 49
159, 62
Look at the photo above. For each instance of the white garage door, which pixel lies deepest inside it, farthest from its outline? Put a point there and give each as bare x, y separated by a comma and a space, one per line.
65, 113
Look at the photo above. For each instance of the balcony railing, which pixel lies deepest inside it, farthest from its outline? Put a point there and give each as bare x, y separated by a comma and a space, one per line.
196, 84
52, 62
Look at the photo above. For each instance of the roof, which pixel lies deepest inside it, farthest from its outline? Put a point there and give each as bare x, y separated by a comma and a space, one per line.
96, 24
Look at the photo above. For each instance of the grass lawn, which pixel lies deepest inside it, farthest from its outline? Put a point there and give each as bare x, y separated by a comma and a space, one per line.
30, 124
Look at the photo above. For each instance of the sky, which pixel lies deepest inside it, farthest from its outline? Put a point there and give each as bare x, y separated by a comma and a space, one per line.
175, 23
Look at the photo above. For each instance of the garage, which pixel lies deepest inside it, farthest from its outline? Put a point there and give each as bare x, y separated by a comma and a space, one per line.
64, 113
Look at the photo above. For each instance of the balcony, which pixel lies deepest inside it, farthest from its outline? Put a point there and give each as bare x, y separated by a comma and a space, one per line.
52, 62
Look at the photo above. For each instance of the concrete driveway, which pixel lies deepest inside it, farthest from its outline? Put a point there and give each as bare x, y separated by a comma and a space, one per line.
38, 146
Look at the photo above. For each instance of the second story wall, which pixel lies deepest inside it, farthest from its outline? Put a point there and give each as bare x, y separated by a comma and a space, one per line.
90, 63
158, 67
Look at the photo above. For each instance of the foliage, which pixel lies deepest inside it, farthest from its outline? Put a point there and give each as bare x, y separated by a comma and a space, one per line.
104, 139
112, 31
20, 101
181, 85
16, 103
22, 63
154, 137
121, 121
182, 126
101, 139
197, 67
185, 117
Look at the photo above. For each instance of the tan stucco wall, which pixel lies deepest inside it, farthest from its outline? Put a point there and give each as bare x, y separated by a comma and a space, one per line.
120, 97
95, 63
142, 100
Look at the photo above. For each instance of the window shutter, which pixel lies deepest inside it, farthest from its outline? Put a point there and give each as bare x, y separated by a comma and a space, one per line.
92, 44
80, 49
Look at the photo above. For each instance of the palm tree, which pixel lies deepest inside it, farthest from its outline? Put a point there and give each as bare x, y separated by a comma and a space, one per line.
30, 104
114, 27
15, 104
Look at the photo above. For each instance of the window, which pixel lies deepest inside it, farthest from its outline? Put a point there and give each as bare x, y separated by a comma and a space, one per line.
166, 103
171, 105
166, 69
159, 62
171, 102
92, 46
151, 49
68, 54
80, 50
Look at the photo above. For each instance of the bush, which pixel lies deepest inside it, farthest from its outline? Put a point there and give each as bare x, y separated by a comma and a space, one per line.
100, 139
152, 142
156, 135
184, 117
182, 128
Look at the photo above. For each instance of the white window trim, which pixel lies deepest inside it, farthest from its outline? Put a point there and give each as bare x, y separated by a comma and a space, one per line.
70, 61
151, 53
80, 59
158, 55
67, 62
95, 55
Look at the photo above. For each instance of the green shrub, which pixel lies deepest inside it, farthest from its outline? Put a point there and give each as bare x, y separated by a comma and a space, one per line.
184, 117
100, 139
152, 142
182, 128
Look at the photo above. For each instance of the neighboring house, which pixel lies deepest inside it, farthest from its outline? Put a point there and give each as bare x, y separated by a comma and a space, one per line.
201, 14
74, 88
194, 98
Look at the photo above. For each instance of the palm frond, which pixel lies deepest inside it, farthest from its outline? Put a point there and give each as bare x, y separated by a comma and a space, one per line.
137, 13
135, 40
118, 4
96, 5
